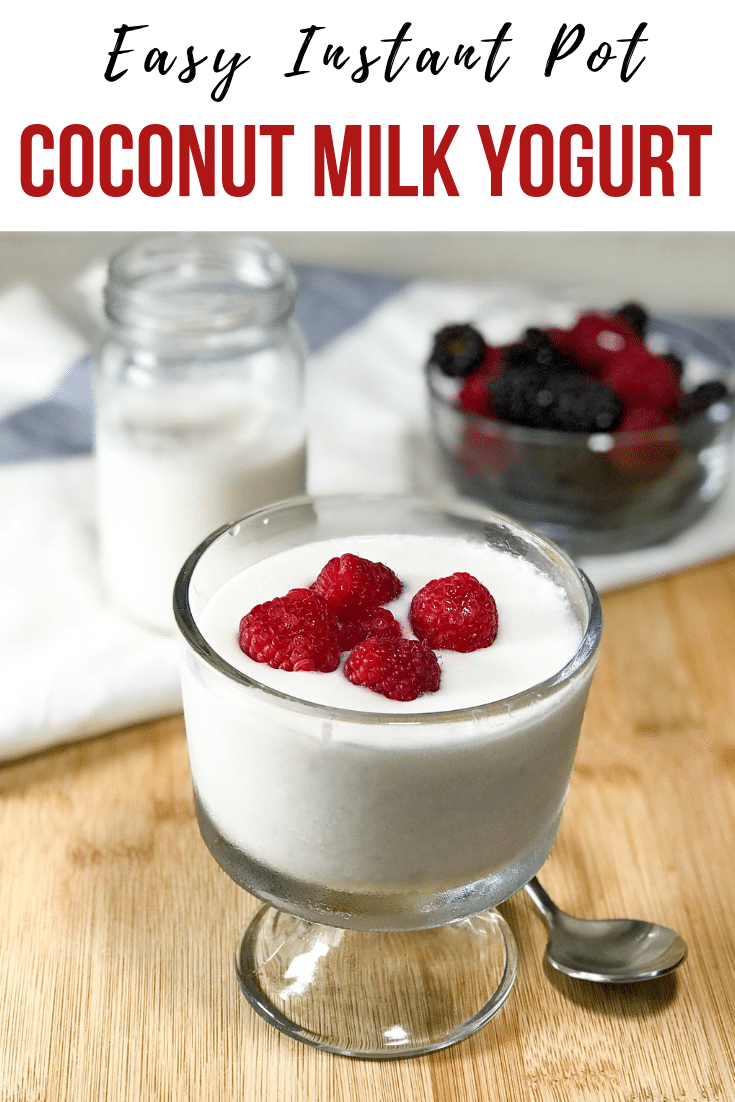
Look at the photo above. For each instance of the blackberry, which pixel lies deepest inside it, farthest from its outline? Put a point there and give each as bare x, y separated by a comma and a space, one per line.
559, 401
700, 399
580, 403
514, 394
537, 349
634, 316
676, 362
458, 350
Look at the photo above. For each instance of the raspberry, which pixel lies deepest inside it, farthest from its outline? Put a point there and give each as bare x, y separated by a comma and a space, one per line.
474, 395
295, 632
643, 419
400, 669
458, 350
486, 453
643, 455
455, 613
594, 340
374, 622
350, 583
642, 379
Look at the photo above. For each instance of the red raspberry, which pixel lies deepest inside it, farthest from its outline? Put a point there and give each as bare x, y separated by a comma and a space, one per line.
474, 395
486, 454
374, 622
349, 583
594, 340
643, 455
642, 379
295, 632
401, 669
455, 613
642, 419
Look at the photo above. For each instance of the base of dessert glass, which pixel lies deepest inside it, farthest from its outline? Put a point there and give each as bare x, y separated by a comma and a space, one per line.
376, 995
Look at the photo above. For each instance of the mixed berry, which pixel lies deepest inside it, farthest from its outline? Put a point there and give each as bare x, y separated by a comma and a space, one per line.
342, 611
598, 376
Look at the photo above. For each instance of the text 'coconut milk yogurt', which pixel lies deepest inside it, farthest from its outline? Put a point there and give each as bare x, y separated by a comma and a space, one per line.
347, 790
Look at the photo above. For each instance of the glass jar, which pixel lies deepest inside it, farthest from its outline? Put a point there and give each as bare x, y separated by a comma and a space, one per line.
199, 405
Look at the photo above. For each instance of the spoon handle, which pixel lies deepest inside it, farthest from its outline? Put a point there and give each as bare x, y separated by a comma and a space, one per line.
543, 902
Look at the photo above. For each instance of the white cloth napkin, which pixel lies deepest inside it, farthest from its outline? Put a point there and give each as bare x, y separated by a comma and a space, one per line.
36, 348
73, 667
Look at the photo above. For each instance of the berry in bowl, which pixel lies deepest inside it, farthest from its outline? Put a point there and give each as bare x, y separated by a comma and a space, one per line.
612, 434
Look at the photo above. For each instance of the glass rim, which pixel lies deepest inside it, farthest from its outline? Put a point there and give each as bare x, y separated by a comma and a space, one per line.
195, 640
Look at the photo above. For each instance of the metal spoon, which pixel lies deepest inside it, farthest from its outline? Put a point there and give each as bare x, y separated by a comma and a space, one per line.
608, 950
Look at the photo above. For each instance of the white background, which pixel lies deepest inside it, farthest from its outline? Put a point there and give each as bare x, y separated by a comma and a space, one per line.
54, 58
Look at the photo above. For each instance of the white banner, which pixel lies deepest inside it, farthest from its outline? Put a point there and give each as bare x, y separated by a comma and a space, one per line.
299, 115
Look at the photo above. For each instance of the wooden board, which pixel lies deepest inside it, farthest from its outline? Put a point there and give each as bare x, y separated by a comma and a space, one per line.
118, 931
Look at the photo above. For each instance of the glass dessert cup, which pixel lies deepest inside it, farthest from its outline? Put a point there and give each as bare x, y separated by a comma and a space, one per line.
379, 842
601, 493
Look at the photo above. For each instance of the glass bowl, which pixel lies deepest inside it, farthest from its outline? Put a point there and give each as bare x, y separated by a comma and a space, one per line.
599, 493
380, 842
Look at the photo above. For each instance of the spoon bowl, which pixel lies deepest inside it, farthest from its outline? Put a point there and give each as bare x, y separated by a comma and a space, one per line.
609, 950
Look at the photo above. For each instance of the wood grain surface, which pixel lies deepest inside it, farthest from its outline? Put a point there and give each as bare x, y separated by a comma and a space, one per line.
118, 930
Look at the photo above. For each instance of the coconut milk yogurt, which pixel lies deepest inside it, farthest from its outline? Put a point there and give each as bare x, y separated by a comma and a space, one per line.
370, 799
174, 464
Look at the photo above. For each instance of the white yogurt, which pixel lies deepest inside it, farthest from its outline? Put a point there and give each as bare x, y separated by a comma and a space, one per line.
171, 469
408, 806
537, 633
